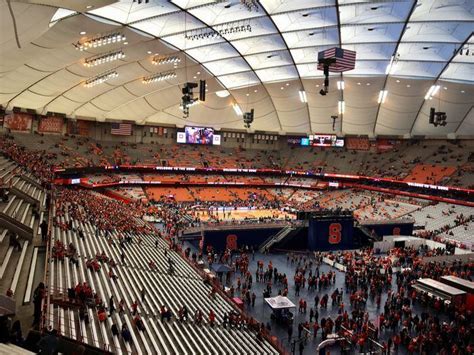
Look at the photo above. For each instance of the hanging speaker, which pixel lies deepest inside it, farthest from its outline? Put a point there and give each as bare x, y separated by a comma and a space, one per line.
202, 90
432, 115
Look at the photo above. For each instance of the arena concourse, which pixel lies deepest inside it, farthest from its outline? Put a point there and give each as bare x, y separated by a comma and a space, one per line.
237, 177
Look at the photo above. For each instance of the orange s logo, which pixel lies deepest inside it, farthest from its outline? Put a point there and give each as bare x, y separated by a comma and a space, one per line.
335, 233
231, 242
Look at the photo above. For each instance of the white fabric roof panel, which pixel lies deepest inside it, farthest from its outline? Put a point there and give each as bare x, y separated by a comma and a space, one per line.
467, 125
47, 73
267, 43
311, 38
377, 33
227, 66
239, 80
213, 52
265, 60
305, 19
375, 12
278, 6
403, 102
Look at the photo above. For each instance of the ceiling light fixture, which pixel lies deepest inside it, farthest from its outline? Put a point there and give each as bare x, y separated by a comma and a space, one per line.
303, 97
100, 41
82, 33
237, 109
101, 78
222, 93
159, 77
219, 30
392, 65
250, 5
104, 58
382, 96
162, 60
433, 90
341, 105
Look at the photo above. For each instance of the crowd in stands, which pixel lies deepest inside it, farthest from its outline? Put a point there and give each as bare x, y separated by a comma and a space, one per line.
105, 213
430, 161
34, 161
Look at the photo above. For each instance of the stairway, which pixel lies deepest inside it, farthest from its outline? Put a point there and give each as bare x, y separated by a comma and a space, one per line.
267, 244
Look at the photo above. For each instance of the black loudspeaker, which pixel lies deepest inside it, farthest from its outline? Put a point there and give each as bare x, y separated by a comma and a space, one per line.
432, 115
202, 90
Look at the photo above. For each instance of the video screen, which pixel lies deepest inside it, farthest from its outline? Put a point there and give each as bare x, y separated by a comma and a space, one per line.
317, 140
339, 142
322, 140
181, 137
199, 135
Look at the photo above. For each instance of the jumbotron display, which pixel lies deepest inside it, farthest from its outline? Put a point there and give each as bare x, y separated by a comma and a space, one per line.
318, 140
325, 140
198, 135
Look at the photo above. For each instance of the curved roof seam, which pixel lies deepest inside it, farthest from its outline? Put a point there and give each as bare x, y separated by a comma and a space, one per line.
439, 75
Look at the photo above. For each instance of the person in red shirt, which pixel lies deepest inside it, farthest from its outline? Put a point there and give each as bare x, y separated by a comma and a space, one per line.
212, 318
134, 307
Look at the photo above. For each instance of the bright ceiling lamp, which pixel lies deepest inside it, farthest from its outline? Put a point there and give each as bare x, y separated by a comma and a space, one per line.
165, 60
159, 77
432, 92
382, 96
100, 41
237, 109
303, 97
341, 105
222, 93
101, 78
103, 58
391, 66
340, 85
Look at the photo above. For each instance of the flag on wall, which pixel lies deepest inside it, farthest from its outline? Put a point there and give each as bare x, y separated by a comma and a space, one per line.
18, 121
51, 124
121, 129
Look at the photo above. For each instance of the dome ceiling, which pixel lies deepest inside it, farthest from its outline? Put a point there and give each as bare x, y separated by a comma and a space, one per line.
264, 55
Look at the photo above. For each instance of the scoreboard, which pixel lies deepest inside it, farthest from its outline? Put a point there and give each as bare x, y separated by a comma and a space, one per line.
331, 232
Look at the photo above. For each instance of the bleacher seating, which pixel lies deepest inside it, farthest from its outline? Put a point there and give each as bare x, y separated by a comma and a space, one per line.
435, 217
24, 196
184, 287
405, 156
430, 174
462, 233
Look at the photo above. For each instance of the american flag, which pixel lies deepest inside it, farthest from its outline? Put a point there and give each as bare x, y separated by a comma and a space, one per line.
121, 129
345, 59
